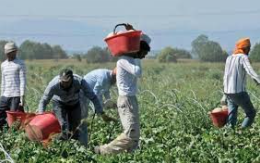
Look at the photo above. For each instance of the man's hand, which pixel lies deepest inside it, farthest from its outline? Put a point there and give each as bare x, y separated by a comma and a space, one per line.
107, 118
22, 100
129, 27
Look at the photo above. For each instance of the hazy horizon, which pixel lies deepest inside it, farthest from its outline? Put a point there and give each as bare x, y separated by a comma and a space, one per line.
79, 25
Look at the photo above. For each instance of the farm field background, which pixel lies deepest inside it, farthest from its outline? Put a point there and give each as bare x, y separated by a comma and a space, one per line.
174, 101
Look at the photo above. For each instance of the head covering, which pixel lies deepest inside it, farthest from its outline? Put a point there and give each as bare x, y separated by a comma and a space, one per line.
241, 45
114, 71
10, 47
145, 38
66, 75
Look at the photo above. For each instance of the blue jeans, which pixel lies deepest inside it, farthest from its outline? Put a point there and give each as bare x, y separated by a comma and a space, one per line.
240, 99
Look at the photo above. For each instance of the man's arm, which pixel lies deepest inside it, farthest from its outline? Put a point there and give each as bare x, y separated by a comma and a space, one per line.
3, 81
48, 94
91, 95
22, 74
134, 69
250, 71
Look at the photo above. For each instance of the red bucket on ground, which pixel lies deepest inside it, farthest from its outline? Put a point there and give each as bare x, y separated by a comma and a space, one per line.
219, 119
19, 118
42, 127
126, 42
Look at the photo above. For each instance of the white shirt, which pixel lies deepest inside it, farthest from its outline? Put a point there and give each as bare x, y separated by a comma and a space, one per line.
128, 70
237, 65
13, 78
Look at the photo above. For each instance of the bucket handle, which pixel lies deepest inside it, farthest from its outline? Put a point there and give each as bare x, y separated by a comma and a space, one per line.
122, 24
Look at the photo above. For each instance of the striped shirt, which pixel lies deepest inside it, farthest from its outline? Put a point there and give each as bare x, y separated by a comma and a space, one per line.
128, 70
236, 68
13, 78
71, 97
100, 82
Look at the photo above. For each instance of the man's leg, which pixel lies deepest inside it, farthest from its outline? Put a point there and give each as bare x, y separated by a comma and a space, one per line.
232, 110
3, 107
14, 104
249, 110
83, 129
62, 116
74, 118
128, 140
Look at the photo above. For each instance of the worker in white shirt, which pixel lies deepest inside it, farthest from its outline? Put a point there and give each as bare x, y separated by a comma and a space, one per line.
13, 83
236, 68
128, 71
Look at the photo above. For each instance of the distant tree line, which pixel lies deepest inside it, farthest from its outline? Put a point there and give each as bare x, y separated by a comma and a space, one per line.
202, 48
34, 50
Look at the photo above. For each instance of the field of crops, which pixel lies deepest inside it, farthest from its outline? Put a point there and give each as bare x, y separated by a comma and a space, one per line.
174, 100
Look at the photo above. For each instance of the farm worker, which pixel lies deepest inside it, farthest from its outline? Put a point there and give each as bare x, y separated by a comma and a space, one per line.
64, 90
13, 82
237, 65
128, 71
100, 81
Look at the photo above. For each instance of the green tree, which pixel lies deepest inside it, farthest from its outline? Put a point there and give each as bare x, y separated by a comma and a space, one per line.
59, 53
2, 53
97, 55
207, 50
255, 53
167, 55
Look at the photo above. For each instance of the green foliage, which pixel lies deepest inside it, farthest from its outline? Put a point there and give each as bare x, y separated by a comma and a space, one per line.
34, 50
207, 50
2, 54
167, 55
174, 101
255, 53
99, 55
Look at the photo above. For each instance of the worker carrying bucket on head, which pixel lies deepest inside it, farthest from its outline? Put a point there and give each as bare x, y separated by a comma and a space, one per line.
128, 71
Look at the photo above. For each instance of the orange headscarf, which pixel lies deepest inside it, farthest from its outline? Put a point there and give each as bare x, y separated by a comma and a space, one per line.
241, 45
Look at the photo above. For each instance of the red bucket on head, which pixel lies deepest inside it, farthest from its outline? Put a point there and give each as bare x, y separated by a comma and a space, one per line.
18, 117
219, 119
42, 127
126, 42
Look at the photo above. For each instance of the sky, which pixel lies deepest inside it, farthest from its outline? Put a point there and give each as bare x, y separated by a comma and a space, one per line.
78, 25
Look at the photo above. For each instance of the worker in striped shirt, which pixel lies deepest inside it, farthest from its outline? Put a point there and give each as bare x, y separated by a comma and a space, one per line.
128, 71
13, 82
236, 68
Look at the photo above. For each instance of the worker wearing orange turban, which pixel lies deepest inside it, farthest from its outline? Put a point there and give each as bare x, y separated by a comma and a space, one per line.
242, 46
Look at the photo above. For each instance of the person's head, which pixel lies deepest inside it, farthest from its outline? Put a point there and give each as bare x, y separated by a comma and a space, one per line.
243, 46
66, 78
10, 50
144, 46
113, 76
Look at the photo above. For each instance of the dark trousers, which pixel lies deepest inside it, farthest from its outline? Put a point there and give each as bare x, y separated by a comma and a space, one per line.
240, 99
6, 104
69, 117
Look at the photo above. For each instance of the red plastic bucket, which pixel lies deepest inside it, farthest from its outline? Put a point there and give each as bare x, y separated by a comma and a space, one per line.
127, 42
19, 118
219, 119
42, 127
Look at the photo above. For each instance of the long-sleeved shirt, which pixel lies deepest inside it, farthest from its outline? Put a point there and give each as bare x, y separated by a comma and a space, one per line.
13, 78
100, 82
70, 97
235, 73
128, 70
